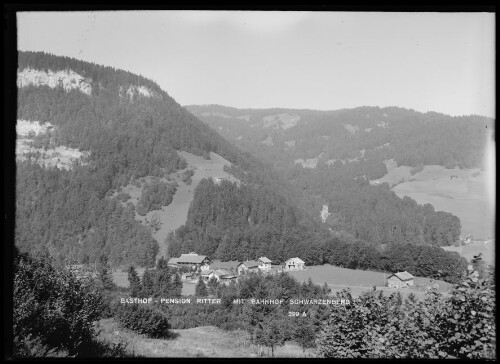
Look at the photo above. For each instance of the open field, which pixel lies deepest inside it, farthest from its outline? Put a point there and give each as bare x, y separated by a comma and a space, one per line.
206, 341
394, 174
337, 279
461, 192
359, 281
487, 248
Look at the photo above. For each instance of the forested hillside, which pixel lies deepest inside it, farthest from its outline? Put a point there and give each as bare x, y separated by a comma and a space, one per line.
328, 159
239, 223
130, 129
413, 138
134, 130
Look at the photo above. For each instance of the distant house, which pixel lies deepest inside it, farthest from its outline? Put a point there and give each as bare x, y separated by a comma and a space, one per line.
172, 262
206, 275
223, 276
192, 260
248, 266
400, 279
294, 264
264, 262
231, 266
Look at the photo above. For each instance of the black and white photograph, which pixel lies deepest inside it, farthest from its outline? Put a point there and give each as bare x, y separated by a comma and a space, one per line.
268, 183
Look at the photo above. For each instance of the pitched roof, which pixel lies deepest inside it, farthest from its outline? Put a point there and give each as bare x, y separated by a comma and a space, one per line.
217, 264
296, 260
404, 276
264, 260
207, 273
221, 273
250, 263
191, 258
172, 261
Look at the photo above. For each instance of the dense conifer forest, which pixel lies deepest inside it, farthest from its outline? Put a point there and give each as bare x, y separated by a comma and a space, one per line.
74, 217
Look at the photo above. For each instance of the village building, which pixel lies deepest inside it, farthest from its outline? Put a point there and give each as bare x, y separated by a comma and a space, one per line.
264, 263
248, 267
173, 262
294, 264
187, 276
231, 266
206, 275
192, 260
400, 279
222, 276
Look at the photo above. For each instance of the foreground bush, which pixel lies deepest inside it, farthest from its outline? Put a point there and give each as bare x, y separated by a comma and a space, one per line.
143, 319
54, 313
461, 325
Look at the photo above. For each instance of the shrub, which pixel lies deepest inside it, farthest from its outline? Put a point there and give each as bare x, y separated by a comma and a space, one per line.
461, 325
143, 319
53, 311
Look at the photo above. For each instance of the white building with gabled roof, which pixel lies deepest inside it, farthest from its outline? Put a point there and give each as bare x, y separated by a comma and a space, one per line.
295, 264
264, 263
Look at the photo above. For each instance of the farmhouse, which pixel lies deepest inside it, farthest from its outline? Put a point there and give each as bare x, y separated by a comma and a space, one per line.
192, 260
224, 276
206, 275
231, 266
173, 262
294, 264
221, 275
264, 262
248, 267
400, 279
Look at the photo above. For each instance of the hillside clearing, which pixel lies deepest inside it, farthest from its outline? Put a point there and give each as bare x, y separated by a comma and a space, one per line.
455, 191
486, 248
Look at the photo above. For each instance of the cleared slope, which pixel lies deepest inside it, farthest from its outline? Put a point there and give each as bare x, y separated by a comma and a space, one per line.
461, 192
175, 215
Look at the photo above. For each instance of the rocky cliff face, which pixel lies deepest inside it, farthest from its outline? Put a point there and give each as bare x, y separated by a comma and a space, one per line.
68, 79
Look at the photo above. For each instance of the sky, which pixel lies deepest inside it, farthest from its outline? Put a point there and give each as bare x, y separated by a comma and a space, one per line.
443, 62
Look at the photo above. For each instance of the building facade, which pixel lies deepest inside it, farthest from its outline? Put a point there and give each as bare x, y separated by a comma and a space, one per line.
400, 279
295, 264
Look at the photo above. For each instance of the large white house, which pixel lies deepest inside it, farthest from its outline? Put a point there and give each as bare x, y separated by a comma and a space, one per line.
192, 260
294, 264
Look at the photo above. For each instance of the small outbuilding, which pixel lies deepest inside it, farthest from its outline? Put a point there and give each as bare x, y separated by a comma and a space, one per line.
248, 267
400, 279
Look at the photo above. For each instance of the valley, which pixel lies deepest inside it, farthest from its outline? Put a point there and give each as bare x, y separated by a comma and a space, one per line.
127, 177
